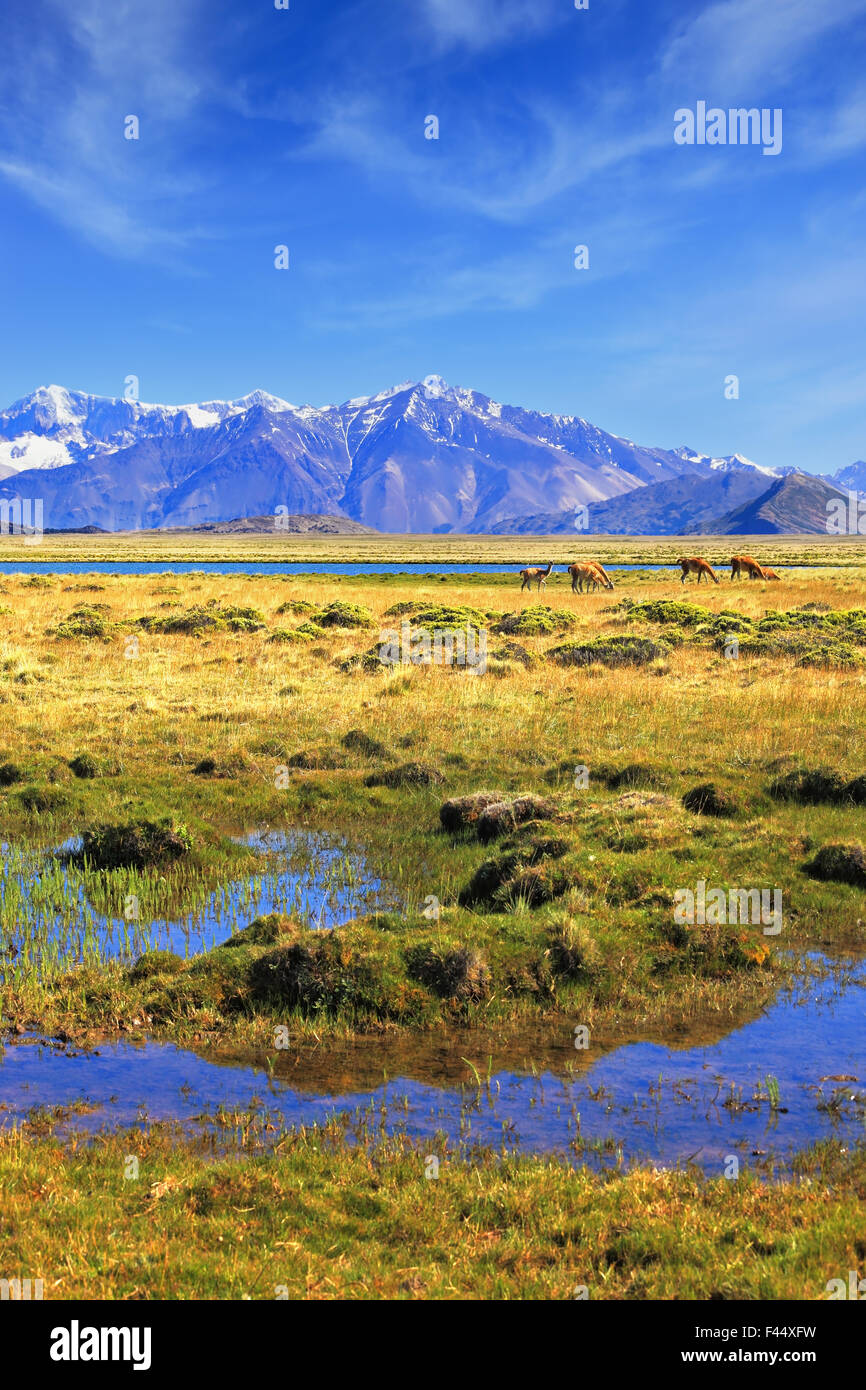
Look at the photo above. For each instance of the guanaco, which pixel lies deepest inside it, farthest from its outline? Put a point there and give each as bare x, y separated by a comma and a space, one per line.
771, 574
536, 576
696, 564
744, 564
605, 577
588, 572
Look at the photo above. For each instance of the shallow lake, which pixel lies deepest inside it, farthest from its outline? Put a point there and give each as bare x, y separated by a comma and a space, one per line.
794, 1075
159, 567
45, 911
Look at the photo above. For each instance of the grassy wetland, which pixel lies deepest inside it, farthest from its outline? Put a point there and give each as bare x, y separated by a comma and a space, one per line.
226, 818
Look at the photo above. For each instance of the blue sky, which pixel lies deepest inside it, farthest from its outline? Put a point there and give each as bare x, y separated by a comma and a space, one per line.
455, 256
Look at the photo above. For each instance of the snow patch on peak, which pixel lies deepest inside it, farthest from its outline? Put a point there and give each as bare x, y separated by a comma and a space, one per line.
60, 402
33, 451
436, 385
734, 461
200, 418
726, 463
258, 397
359, 402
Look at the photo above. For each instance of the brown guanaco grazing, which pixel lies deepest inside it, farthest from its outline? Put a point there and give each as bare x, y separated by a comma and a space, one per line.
771, 574
744, 564
605, 577
538, 577
588, 572
696, 564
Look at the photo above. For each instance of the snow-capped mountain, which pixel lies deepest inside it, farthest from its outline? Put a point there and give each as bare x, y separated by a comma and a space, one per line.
54, 426
422, 456
852, 477
730, 463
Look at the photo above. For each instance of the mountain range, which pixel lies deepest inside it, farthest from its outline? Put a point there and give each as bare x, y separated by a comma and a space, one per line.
420, 457
798, 504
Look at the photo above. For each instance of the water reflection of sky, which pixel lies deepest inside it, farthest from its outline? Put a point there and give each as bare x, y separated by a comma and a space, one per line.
649, 1102
313, 875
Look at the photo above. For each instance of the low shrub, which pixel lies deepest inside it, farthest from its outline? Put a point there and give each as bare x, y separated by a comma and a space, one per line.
537, 620
608, 651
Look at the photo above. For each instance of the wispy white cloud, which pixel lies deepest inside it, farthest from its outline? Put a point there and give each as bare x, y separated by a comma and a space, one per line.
737, 45
486, 23
65, 97
563, 144
510, 157
836, 132
445, 283
78, 203
476, 165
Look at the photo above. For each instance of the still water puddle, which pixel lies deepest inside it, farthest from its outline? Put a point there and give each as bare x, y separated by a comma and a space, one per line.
47, 917
776, 1084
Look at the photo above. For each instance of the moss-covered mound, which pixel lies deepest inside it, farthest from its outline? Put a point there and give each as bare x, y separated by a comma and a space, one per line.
811, 636
461, 974
503, 817
608, 651
524, 871
314, 760
537, 620
839, 864
212, 617
40, 800
85, 766
346, 615
809, 786
270, 930
708, 952
351, 971
574, 953
89, 620
664, 611
515, 652
708, 800
359, 741
461, 812
411, 774
370, 972
444, 617
153, 963
297, 605
134, 845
